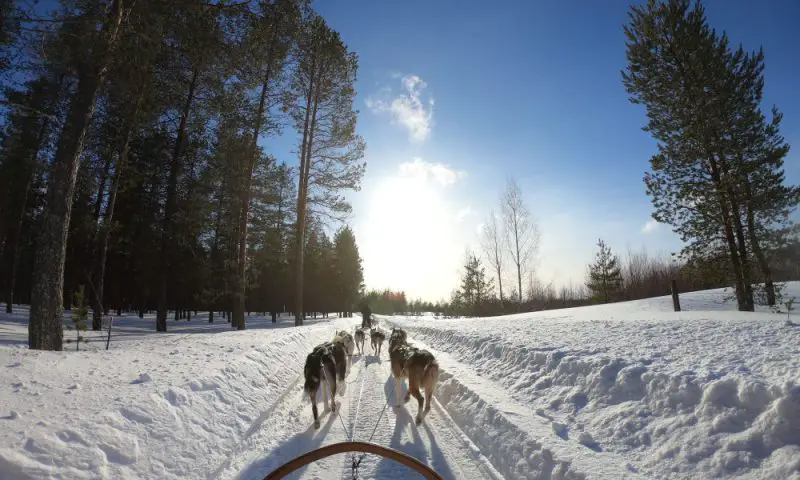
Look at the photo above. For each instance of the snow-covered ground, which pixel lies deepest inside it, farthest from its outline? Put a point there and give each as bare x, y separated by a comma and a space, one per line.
630, 390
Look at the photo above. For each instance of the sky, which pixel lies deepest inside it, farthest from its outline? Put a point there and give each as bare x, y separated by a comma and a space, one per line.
456, 97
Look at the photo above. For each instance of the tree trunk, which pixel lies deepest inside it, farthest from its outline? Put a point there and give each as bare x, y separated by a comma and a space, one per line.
755, 244
108, 216
300, 225
171, 206
258, 121
15, 235
45, 330
101, 189
729, 237
747, 276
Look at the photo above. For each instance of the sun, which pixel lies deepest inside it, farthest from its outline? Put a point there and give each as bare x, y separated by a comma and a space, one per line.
407, 235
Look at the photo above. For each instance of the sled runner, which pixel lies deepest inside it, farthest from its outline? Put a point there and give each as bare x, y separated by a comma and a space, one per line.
345, 447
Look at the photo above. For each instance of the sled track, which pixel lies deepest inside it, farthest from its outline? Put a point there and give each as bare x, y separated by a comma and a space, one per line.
250, 441
285, 431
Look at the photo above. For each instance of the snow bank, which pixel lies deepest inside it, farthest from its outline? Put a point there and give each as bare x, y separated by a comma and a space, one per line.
170, 406
680, 395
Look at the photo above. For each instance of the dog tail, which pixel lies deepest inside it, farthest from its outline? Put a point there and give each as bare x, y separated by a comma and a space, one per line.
430, 376
312, 373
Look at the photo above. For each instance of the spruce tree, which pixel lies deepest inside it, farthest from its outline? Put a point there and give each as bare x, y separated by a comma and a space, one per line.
349, 273
476, 288
605, 275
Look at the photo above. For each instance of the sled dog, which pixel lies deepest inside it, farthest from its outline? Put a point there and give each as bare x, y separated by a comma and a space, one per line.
418, 366
346, 340
376, 338
359, 338
325, 364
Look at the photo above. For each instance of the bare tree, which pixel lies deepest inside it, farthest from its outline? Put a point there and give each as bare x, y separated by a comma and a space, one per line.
492, 245
521, 234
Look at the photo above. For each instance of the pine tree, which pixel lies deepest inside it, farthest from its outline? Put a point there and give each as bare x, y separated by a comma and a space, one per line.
330, 150
45, 330
695, 90
605, 275
267, 43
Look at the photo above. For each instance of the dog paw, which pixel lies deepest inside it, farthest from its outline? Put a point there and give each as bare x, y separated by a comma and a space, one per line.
316, 424
333, 408
418, 421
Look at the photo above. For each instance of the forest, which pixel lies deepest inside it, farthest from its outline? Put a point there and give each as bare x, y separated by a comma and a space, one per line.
136, 160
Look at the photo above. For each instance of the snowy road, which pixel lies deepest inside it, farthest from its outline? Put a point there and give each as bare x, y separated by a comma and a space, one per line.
286, 432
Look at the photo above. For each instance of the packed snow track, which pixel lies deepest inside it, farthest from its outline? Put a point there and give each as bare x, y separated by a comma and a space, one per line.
365, 413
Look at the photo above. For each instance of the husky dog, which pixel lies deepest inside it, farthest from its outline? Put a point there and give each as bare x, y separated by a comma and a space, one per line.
326, 363
376, 338
346, 340
359, 337
419, 366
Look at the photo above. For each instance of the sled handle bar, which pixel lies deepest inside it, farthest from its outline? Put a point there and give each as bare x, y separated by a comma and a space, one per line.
344, 447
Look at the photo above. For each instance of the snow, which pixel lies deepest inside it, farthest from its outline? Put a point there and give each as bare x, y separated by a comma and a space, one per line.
628, 390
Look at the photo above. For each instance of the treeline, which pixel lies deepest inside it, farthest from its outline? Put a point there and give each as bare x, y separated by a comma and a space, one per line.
135, 160
610, 278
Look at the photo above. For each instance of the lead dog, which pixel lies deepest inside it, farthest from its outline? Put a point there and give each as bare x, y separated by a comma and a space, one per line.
376, 338
419, 366
325, 364
360, 337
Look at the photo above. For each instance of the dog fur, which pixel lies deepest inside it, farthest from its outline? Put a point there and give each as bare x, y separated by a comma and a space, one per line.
359, 337
346, 340
327, 364
418, 366
376, 338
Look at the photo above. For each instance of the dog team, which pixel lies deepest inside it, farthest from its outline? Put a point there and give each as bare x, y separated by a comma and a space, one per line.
328, 364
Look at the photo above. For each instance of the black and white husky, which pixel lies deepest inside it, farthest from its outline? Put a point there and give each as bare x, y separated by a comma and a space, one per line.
327, 364
359, 338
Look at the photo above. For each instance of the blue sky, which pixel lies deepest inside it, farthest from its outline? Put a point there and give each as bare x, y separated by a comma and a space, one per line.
455, 96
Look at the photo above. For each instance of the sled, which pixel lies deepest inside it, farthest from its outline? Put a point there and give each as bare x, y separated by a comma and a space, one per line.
345, 447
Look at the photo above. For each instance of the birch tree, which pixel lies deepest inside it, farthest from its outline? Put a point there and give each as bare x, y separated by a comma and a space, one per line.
521, 233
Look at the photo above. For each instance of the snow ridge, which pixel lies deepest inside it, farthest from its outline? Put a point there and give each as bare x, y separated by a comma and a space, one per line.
722, 423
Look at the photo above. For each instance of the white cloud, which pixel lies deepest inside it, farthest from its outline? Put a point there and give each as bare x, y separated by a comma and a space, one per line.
442, 174
464, 213
408, 108
650, 226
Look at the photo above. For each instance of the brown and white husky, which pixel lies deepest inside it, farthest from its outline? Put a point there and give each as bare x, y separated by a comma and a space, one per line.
418, 366
359, 337
376, 338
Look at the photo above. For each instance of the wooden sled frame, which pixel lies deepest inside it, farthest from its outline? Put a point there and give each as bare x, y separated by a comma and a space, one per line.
344, 447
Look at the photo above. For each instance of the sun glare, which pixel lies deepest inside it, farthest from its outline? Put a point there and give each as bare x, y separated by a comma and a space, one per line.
408, 237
